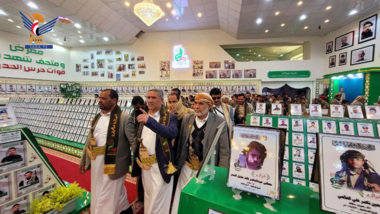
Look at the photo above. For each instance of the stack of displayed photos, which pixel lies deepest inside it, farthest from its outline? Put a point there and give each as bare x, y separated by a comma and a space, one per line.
61, 118
301, 139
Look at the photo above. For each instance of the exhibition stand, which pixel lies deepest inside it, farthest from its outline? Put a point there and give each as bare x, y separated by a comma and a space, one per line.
215, 195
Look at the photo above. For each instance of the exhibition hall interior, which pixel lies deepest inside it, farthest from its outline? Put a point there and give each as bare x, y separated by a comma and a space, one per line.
189, 106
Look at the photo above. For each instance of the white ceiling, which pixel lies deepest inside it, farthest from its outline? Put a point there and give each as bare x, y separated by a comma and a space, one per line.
113, 19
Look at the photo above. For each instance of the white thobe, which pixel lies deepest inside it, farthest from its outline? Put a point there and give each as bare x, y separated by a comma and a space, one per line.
186, 174
219, 112
107, 196
157, 193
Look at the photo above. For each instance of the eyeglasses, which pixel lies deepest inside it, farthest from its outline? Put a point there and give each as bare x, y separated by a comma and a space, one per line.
216, 98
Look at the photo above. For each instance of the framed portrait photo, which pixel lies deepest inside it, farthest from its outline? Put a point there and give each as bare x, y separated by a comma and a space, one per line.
367, 29
255, 120
343, 159
283, 123
329, 47
336, 110
372, 112
332, 61
342, 58
346, 128
329, 126
312, 140
297, 125
355, 112
276, 108
295, 109
312, 126
260, 108
363, 55
267, 121
365, 129
344, 41
257, 142
315, 110
298, 139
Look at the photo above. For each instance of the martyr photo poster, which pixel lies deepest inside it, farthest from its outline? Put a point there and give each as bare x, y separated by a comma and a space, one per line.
349, 174
255, 164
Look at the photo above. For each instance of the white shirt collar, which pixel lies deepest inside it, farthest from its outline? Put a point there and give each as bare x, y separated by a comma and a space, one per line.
155, 115
106, 114
199, 121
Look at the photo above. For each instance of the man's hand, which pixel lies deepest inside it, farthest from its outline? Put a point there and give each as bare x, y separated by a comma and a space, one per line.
375, 187
82, 169
143, 118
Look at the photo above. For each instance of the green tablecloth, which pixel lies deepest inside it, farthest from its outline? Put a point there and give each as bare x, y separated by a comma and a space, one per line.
199, 198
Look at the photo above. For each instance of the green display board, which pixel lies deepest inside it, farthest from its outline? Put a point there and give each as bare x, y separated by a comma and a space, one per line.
299, 153
215, 195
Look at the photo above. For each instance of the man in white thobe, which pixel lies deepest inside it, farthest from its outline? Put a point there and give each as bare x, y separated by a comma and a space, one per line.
108, 193
154, 154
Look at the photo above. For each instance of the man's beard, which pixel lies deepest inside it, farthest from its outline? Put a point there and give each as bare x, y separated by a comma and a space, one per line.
200, 114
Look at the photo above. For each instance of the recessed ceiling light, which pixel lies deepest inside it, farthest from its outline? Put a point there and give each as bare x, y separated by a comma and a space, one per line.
237, 54
169, 5
79, 31
60, 43
250, 50
277, 13
266, 31
18, 26
177, 18
242, 57
3, 13
199, 15
81, 41
353, 12
54, 34
281, 55
259, 21
162, 14
32, 5
77, 25
300, 3
259, 55
173, 12
327, 20
127, 4
167, 19
306, 27
303, 17
283, 24
328, 7
10, 20
81, 37
105, 39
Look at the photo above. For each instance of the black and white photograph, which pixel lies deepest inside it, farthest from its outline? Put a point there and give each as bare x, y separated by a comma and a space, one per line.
249, 159
329, 47
12, 155
332, 61
367, 29
28, 179
349, 176
5, 188
342, 58
344, 41
363, 55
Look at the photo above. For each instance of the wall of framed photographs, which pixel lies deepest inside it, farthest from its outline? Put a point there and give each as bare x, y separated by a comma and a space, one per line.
301, 139
208, 60
69, 120
352, 46
25, 172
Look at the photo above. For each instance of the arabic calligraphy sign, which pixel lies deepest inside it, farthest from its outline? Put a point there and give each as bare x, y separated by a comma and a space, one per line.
288, 74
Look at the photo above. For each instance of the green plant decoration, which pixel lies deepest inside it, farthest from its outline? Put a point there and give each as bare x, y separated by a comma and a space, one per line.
57, 199
70, 91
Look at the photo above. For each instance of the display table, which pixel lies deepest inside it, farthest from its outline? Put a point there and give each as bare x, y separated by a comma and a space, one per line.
199, 198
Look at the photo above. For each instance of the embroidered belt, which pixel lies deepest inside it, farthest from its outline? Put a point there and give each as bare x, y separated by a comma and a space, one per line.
194, 163
93, 151
148, 160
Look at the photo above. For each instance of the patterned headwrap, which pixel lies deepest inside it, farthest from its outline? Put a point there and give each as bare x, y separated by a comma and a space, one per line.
205, 98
